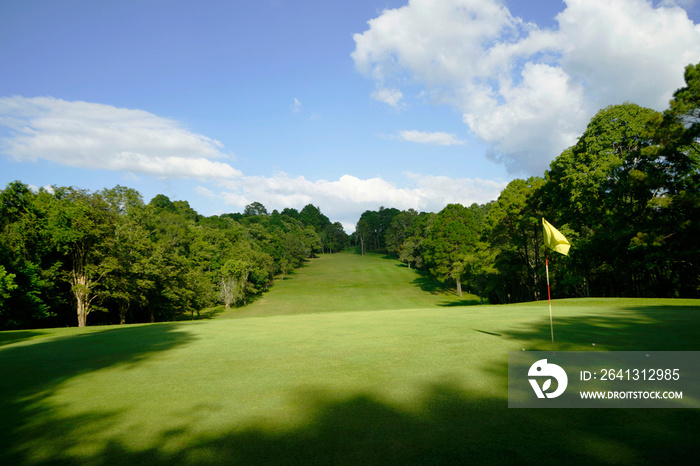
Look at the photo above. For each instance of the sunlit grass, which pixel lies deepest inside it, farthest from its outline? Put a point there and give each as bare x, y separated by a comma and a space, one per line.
351, 282
426, 383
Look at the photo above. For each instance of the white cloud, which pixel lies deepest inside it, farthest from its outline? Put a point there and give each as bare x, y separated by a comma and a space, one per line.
346, 198
388, 96
438, 191
296, 106
541, 115
627, 50
437, 41
205, 192
98, 136
529, 91
438, 138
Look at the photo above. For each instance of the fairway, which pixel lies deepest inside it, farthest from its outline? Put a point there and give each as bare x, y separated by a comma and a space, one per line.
349, 281
350, 360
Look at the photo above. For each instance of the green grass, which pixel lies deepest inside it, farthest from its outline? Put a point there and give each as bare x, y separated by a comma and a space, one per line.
351, 282
323, 377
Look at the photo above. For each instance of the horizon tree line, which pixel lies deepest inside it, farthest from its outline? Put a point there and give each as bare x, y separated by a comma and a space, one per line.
68, 255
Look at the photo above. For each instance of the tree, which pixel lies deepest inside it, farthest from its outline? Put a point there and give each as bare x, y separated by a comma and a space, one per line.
161, 202
234, 281
478, 267
362, 232
368, 229
599, 189
30, 266
227, 291
15, 201
108, 251
385, 216
312, 240
334, 237
673, 173
291, 213
294, 249
514, 236
129, 280
408, 251
81, 225
453, 235
398, 231
172, 265
7, 284
311, 215
254, 209
184, 209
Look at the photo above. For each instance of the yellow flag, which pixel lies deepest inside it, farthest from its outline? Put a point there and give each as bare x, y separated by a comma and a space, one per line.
555, 240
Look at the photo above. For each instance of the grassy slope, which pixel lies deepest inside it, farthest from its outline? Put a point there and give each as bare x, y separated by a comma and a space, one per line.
351, 282
397, 386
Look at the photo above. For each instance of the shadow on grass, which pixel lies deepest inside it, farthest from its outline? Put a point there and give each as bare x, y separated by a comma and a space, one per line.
211, 312
357, 250
632, 328
15, 336
306, 262
430, 284
448, 425
31, 373
461, 302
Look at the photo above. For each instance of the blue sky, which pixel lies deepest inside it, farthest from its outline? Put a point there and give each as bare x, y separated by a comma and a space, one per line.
349, 105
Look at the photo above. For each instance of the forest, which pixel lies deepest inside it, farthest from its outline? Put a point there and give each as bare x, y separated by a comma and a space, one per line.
627, 196
69, 256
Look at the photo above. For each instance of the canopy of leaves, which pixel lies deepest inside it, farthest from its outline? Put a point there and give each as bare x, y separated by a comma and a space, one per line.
118, 260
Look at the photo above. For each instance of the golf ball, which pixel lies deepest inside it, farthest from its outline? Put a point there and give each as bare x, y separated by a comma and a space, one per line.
593, 344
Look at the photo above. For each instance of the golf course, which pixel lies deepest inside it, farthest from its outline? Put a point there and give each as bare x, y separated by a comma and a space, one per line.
352, 359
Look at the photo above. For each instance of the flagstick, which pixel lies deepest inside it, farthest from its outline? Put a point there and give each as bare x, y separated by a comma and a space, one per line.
549, 295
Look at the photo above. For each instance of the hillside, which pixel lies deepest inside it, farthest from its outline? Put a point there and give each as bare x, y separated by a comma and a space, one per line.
348, 281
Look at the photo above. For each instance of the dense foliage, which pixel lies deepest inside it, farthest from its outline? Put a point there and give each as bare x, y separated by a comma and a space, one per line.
627, 195
67, 252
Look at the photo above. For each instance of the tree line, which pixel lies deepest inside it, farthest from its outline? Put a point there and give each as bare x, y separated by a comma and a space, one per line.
71, 256
627, 195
